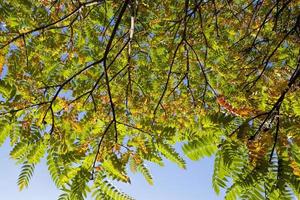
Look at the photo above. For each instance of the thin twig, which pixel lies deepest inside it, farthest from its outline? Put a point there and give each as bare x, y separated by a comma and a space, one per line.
98, 148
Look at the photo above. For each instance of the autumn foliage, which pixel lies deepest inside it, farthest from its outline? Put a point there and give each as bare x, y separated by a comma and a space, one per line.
102, 87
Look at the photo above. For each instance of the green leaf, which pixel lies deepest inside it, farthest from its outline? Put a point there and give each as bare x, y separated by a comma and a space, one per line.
105, 189
201, 148
115, 169
37, 152
146, 173
5, 129
25, 175
171, 154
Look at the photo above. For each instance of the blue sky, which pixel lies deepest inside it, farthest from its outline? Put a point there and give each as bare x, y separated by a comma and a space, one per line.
170, 182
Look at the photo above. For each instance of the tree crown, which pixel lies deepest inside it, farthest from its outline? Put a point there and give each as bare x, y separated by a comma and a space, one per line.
97, 86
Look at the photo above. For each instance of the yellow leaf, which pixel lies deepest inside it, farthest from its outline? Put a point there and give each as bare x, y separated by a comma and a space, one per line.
2, 61
296, 169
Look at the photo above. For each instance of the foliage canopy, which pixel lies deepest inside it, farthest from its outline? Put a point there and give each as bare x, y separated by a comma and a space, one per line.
97, 86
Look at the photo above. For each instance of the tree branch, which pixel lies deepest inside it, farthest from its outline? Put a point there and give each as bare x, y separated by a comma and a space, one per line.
107, 50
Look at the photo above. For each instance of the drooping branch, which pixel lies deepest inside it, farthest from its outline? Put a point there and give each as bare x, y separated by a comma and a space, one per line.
216, 18
105, 56
52, 121
168, 79
275, 137
207, 84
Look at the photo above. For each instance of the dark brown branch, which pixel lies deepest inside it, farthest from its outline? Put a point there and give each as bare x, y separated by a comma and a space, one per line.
187, 74
90, 92
275, 138
173, 58
246, 7
279, 11
110, 22
107, 50
180, 81
256, 10
278, 103
24, 108
203, 72
53, 121
263, 23
251, 119
240, 126
216, 18
168, 79
266, 61
94, 103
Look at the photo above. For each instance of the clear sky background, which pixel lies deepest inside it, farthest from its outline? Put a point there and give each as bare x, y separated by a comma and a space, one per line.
170, 182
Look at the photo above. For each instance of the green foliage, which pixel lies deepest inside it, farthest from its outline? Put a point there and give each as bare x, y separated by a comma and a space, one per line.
103, 86
114, 169
55, 168
6, 90
79, 187
37, 152
219, 177
146, 173
198, 149
105, 189
25, 175
20, 151
64, 196
171, 154
5, 128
